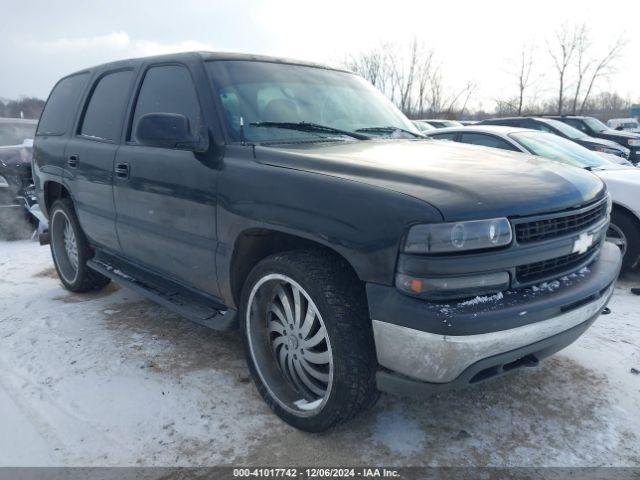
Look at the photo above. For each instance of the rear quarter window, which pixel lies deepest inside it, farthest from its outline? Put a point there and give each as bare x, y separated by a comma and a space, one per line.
61, 105
104, 115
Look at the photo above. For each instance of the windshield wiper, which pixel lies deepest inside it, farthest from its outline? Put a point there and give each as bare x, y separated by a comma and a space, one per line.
309, 127
390, 130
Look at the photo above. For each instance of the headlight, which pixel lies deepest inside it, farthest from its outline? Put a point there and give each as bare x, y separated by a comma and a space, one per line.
3, 182
458, 237
634, 142
609, 204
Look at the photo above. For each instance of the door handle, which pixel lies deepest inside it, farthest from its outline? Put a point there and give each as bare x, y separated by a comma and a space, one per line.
72, 161
122, 170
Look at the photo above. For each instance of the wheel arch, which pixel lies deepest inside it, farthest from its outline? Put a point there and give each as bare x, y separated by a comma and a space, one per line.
53, 191
624, 209
255, 244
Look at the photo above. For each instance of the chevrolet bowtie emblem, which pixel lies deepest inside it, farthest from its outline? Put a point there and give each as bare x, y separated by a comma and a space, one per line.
582, 243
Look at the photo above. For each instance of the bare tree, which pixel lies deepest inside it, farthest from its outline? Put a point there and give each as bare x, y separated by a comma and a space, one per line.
583, 45
523, 75
604, 67
561, 52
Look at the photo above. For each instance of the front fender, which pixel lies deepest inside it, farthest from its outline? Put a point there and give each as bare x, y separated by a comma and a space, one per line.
363, 223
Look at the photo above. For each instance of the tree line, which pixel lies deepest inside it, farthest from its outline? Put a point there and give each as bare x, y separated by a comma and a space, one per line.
412, 77
25, 107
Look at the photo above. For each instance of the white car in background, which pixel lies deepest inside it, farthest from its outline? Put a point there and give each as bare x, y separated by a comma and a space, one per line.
623, 182
626, 124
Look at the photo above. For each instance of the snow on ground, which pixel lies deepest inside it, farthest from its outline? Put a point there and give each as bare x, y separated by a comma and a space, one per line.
109, 378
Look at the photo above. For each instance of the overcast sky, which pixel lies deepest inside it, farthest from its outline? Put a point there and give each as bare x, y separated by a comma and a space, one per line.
474, 40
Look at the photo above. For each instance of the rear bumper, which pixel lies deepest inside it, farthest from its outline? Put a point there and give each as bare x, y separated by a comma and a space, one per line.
417, 341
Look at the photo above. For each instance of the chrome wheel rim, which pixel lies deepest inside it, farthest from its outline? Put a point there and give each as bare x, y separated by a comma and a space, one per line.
289, 344
616, 236
64, 246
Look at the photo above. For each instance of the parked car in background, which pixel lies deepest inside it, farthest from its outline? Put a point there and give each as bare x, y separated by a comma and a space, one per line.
616, 159
625, 124
468, 122
17, 193
440, 123
595, 128
623, 182
423, 126
276, 197
563, 130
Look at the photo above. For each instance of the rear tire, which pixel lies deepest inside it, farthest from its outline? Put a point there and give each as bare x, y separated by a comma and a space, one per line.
308, 339
624, 231
71, 250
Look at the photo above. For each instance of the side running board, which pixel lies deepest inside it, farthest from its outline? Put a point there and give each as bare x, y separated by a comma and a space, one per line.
186, 303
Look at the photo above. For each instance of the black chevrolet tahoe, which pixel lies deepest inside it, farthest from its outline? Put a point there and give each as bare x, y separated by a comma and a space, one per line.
295, 203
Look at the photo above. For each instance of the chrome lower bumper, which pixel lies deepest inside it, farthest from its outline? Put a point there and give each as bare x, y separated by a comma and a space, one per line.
436, 358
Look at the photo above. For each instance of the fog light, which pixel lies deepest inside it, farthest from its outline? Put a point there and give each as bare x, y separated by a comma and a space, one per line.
444, 288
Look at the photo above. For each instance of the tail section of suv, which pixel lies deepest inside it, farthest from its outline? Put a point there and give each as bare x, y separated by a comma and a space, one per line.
295, 203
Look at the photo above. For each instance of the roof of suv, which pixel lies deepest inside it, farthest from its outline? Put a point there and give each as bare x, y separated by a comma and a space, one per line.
206, 56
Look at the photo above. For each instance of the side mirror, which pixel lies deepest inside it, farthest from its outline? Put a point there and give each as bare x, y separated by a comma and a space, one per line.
620, 128
167, 130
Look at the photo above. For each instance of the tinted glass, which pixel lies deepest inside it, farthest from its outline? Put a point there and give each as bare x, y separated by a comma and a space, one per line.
567, 130
532, 124
168, 89
486, 141
595, 124
103, 117
269, 92
444, 136
61, 105
578, 124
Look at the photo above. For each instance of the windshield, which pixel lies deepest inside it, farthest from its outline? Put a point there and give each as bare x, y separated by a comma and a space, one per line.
595, 124
557, 148
258, 92
16, 133
568, 130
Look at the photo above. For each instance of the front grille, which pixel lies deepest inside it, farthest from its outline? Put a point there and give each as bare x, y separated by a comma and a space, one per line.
560, 225
554, 266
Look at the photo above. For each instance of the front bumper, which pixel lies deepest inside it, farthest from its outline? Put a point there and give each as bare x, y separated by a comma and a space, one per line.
436, 346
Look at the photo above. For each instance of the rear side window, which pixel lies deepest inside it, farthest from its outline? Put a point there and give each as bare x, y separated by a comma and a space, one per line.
538, 126
105, 111
445, 136
487, 141
167, 89
576, 124
61, 105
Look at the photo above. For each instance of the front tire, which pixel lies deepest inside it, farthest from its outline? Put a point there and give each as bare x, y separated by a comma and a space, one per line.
308, 339
624, 231
71, 250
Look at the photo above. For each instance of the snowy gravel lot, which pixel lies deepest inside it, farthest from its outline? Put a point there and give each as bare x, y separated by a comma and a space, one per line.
112, 379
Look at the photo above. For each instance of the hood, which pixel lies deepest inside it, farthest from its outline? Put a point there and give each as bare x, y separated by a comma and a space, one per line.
620, 133
14, 156
603, 142
463, 182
